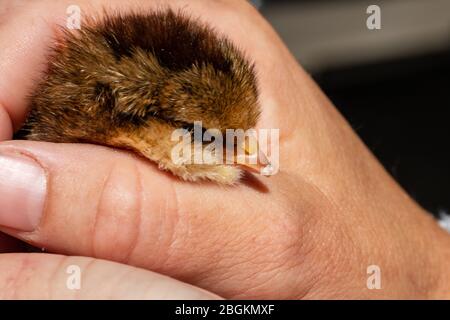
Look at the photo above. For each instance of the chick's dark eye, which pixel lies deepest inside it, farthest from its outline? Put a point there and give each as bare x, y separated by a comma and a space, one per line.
193, 128
189, 127
187, 88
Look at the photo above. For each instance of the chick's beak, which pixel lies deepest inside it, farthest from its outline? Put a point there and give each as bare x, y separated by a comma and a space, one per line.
255, 159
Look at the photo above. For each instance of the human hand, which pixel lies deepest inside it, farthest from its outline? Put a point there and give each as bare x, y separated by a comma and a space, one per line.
310, 231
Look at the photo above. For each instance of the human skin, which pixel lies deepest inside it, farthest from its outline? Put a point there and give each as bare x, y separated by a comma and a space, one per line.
310, 231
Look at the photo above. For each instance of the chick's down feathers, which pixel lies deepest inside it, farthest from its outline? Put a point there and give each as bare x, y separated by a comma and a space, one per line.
130, 80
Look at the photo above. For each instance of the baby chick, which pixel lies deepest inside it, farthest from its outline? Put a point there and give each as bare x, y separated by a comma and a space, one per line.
130, 80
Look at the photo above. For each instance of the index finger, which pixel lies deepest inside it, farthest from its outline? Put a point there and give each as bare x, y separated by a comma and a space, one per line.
25, 33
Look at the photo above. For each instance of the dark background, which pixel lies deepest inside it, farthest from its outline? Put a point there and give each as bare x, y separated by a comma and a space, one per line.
392, 84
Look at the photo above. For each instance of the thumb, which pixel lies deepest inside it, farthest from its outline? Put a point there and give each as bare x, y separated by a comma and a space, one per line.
81, 199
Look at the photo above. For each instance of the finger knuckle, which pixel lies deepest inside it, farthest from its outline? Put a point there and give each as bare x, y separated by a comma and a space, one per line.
116, 224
